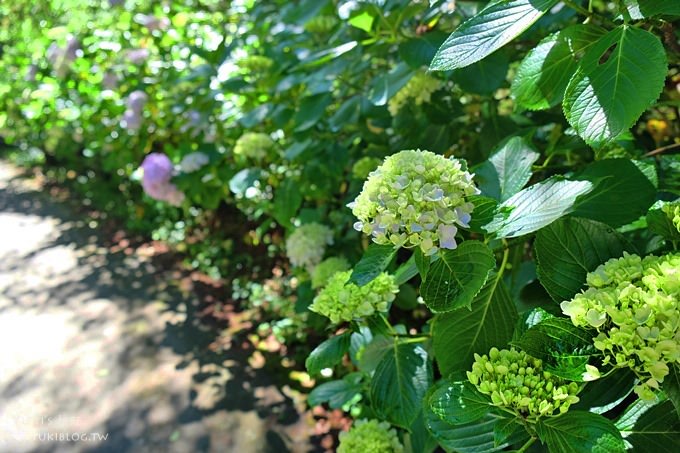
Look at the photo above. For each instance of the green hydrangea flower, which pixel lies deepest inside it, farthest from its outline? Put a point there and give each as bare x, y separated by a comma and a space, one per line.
326, 269
633, 304
672, 210
415, 199
364, 166
517, 381
255, 63
306, 246
419, 89
341, 301
370, 436
253, 145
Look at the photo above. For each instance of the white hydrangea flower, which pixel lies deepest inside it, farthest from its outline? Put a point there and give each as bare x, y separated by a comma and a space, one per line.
192, 162
306, 246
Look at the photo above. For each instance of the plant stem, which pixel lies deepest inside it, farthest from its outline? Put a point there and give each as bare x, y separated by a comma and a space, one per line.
528, 444
661, 150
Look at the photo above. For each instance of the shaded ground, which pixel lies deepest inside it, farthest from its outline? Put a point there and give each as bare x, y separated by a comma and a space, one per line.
96, 342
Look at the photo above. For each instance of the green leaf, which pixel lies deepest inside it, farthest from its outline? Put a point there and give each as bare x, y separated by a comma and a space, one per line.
457, 276
328, 354
508, 169
537, 206
406, 271
387, 85
485, 76
458, 402
569, 248
419, 51
671, 386
375, 260
347, 113
529, 319
598, 101
458, 335
650, 428
244, 179
474, 437
287, 201
373, 353
605, 394
312, 108
419, 439
485, 209
579, 431
565, 348
362, 21
622, 193
659, 222
640, 9
422, 262
543, 75
494, 26
336, 393
400, 382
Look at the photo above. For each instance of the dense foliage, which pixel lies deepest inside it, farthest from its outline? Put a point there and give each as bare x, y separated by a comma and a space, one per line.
478, 200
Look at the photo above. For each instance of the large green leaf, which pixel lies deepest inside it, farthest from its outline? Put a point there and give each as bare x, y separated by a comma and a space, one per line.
328, 354
312, 108
494, 26
650, 428
400, 383
537, 206
671, 386
640, 9
508, 169
473, 437
458, 335
622, 193
565, 348
485, 76
544, 73
569, 248
456, 277
598, 101
606, 393
659, 222
580, 431
287, 201
375, 260
458, 402
336, 393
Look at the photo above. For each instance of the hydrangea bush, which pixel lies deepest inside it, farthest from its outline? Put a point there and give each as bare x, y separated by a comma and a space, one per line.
306, 246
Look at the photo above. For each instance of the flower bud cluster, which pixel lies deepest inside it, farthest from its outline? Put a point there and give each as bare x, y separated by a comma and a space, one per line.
364, 166
517, 381
415, 199
326, 269
342, 301
255, 146
156, 179
321, 24
419, 88
255, 63
633, 304
306, 246
370, 436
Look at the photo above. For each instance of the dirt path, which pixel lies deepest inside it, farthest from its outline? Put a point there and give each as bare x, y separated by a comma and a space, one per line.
99, 354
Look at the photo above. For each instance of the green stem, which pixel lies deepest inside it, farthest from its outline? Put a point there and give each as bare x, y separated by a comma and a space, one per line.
581, 10
528, 444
